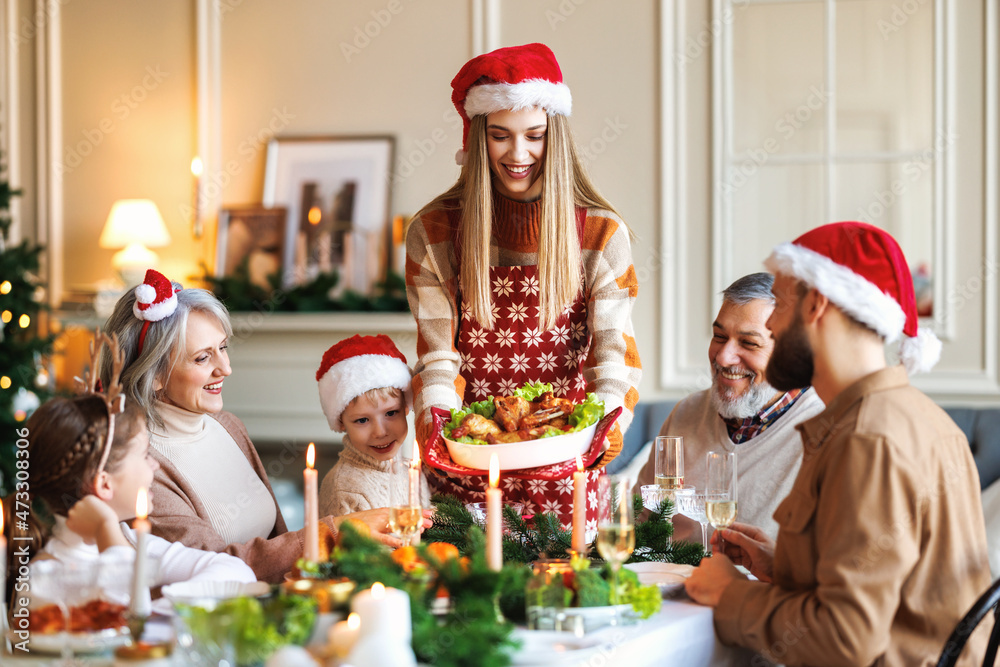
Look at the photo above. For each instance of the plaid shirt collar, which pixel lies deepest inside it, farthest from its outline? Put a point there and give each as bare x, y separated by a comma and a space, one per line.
742, 430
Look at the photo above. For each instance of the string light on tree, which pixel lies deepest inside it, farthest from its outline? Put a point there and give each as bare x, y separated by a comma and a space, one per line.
6, 316
24, 321
5, 287
4, 382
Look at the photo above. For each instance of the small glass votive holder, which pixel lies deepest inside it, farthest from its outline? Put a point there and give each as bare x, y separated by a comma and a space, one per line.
544, 594
478, 512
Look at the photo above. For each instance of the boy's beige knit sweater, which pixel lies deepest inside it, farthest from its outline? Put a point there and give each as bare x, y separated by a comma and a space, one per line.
361, 482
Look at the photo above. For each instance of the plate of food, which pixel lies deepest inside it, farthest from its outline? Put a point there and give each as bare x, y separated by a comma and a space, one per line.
95, 626
668, 577
530, 428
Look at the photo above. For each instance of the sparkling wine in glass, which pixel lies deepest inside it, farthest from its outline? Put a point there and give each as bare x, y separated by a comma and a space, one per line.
669, 461
615, 525
405, 509
720, 493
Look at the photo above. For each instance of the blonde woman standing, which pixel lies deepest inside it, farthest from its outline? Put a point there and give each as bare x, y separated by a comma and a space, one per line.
521, 271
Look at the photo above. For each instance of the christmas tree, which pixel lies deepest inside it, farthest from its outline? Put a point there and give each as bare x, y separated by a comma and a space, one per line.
24, 381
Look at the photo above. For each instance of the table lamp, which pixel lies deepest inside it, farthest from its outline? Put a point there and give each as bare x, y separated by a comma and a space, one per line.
134, 225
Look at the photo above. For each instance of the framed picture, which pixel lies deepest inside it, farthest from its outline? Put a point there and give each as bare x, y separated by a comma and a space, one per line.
336, 190
252, 234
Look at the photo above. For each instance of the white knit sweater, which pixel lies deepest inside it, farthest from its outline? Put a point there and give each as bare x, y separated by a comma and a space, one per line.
767, 464
358, 482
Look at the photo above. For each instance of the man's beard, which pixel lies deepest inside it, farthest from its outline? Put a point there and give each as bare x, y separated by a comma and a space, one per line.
741, 406
791, 363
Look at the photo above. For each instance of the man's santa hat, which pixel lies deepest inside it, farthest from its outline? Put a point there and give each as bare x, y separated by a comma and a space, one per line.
356, 365
509, 79
861, 269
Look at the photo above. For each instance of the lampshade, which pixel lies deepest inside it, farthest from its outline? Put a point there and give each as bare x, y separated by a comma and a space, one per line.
132, 225
134, 221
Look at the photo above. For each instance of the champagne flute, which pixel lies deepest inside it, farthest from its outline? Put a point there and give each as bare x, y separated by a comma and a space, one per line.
405, 510
691, 504
615, 526
720, 493
669, 461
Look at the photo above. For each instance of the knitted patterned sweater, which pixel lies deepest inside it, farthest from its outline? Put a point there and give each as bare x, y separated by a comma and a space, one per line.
612, 369
359, 482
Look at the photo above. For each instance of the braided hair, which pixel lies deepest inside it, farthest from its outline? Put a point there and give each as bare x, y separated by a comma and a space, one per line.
65, 444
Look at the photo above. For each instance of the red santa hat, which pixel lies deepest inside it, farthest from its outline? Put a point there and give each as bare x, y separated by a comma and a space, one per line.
512, 78
155, 298
861, 269
356, 365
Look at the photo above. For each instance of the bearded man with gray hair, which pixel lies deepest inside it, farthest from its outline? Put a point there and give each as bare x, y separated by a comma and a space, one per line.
741, 412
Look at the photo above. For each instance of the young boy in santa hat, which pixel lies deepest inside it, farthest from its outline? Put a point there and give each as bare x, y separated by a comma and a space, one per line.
364, 388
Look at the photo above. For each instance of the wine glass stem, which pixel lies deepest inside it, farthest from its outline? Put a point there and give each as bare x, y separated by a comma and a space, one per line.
704, 540
614, 583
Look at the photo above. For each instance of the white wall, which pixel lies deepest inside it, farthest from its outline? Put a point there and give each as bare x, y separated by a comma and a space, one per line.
284, 66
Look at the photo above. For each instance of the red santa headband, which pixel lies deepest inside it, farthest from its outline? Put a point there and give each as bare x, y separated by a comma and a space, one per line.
155, 299
512, 78
356, 365
862, 270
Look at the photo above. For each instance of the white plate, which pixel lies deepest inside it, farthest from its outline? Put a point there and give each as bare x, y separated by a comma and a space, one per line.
195, 592
78, 642
669, 577
541, 647
527, 454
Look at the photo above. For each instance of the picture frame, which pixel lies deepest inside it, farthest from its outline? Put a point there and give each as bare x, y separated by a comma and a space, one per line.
337, 193
252, 233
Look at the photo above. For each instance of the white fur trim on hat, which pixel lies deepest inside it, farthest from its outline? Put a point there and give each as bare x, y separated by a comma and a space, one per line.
555, 98
348, 379
921, 352
156, 312
145, 293
852, 293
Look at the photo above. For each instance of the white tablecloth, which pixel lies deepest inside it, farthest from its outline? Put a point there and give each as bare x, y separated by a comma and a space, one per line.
680, 634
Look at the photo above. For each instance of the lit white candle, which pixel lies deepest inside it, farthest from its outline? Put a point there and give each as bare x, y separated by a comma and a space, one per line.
139, 604
344, 635
579, 542
494, 517
196, 171
415, 476
309, 476
386, 629
3, 571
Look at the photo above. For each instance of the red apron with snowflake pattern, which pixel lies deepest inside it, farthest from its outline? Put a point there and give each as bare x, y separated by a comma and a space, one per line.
495, 362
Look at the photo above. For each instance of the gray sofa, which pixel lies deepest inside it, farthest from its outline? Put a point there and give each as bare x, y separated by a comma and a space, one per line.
981, 427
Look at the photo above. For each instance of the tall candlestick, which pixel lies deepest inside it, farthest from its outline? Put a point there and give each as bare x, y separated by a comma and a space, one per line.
494, 517
196, 171
414, 472
312, 506
579, 508
139, 604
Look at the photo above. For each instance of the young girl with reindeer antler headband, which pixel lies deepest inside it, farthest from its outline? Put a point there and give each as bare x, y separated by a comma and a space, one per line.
88, 457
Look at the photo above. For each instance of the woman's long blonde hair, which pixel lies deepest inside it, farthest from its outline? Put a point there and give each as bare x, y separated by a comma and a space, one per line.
565, 186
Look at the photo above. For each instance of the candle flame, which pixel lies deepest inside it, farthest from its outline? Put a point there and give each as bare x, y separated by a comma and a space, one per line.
196, 166
311, 456
315, 215
141, 503
353, 621
415, 461
378, 590
579, 463
494, 470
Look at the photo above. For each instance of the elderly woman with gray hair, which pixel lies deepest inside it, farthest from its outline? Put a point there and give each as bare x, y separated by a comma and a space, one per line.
211, 491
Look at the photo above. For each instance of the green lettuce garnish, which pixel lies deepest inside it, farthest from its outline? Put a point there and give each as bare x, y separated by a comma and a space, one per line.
585, 414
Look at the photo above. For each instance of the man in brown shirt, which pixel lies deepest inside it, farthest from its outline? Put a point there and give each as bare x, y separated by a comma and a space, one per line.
881, 546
